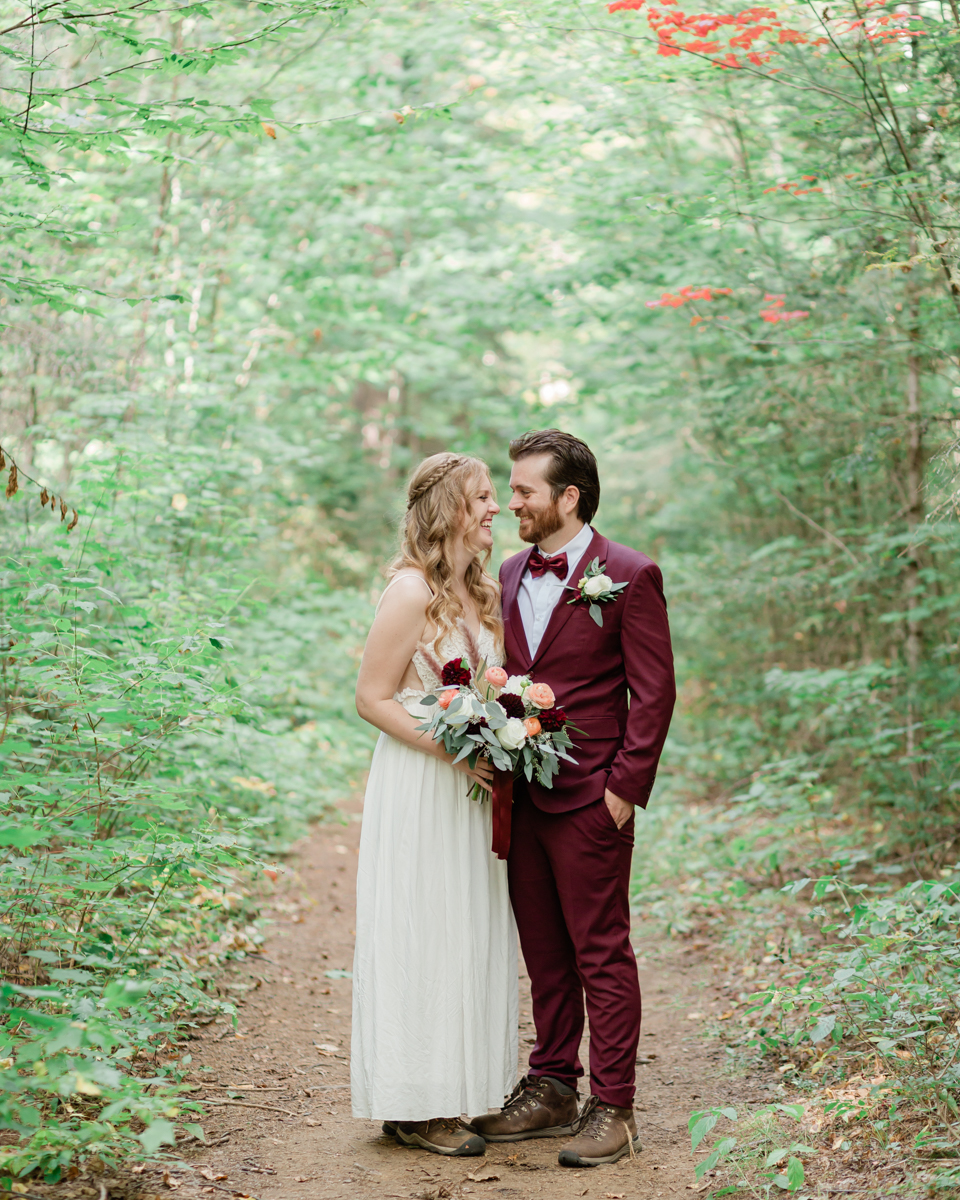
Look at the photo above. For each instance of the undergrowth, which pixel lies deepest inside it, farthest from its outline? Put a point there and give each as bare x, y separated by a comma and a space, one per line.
162, 743
833, 970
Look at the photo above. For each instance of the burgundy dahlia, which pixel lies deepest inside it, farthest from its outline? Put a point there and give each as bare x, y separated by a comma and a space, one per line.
512, 705
552, 719
455, 674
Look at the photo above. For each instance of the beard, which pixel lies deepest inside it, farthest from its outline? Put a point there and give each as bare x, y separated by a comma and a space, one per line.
543, 524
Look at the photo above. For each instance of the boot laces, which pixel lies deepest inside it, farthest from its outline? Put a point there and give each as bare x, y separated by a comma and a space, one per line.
524, 1095
594, 1119
450, 1124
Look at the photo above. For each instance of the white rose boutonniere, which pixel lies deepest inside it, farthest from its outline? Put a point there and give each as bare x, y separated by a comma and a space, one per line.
596, 585
595, 589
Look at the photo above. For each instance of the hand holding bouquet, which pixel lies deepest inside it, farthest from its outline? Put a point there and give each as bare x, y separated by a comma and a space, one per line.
510, 719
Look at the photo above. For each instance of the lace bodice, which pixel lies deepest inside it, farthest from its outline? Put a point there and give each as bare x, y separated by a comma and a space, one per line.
453, 645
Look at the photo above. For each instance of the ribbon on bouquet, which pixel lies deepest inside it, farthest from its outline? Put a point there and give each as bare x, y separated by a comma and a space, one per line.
502, 801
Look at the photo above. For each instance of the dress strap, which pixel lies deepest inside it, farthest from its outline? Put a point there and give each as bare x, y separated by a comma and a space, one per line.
403, 575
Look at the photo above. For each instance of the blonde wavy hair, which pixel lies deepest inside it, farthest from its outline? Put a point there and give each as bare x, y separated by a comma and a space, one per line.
437, 498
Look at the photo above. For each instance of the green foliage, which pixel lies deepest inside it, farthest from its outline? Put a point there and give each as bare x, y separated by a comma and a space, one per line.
883, 985
139, 754
762, 1128
258, 260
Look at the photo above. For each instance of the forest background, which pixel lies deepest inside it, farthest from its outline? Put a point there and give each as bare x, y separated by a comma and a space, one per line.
258, 259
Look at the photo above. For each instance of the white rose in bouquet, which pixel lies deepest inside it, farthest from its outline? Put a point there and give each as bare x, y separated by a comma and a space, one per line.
596, 585
470, 710
512, 735
516, 685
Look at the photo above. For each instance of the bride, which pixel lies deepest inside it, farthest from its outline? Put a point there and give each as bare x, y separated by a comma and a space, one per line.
435, 968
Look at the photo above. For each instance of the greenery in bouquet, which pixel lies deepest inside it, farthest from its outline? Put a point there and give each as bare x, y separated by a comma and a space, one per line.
546, 742
480, 710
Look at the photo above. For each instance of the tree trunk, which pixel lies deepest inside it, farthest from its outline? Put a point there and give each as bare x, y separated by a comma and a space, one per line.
913, 647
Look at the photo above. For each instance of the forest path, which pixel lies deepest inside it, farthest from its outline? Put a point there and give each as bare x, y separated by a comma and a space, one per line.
289, 1062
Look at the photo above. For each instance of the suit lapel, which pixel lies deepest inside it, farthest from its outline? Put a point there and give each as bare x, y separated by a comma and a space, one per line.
564, 610
515, 636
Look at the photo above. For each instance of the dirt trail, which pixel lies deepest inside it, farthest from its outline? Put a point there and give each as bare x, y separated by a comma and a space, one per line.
280, 1123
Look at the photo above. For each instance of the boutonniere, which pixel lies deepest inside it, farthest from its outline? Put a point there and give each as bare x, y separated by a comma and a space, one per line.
595, 589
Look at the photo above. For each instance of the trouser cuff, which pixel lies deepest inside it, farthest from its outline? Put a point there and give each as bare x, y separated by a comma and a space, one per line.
571, 1081
619, 1097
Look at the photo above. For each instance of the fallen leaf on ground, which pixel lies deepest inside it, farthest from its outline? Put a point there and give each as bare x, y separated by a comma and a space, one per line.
208, 1174
483, 1177
695, 1016
169, 1180
727, 1015
614, 1195
312, 1122
306, 1178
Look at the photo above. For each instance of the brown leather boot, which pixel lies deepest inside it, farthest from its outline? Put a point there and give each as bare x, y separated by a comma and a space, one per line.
443, 1135
534, 1109
604, 1134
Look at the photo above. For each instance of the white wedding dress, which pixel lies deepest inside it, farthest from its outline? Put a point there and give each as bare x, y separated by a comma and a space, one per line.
435, 967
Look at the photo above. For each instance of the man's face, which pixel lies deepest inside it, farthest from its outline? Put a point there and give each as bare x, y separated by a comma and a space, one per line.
532, 500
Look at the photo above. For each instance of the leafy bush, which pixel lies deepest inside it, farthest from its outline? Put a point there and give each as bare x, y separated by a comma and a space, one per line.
148, 769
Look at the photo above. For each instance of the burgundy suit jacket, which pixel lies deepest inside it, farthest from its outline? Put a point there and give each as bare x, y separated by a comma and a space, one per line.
615, 682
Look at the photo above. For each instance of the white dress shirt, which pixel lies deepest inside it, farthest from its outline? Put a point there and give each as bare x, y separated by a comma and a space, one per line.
538, 598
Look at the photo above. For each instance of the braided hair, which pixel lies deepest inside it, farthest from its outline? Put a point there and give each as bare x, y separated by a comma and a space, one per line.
437, 503
425, 478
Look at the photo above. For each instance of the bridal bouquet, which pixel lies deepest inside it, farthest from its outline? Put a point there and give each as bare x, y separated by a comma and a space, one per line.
480, 710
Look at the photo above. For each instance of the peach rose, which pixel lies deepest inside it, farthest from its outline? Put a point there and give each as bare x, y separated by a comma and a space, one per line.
444, 698
532, 726
495, 676
540, 694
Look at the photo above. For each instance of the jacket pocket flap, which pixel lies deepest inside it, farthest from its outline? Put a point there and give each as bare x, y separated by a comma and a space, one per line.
596, 727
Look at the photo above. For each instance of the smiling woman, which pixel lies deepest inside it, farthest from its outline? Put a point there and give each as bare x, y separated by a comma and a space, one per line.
447, 526
435, 971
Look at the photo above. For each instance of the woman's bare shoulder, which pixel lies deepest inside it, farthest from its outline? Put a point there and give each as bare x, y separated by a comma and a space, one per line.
407, 592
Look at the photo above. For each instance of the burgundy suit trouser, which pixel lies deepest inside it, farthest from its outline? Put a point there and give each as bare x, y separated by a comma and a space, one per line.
569, 879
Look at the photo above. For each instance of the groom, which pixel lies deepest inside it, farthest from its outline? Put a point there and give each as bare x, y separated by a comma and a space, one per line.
569, 861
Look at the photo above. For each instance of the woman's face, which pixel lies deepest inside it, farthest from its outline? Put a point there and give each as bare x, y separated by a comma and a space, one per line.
481, 509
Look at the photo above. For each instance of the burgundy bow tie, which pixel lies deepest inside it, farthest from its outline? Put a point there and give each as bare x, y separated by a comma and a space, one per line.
539, 564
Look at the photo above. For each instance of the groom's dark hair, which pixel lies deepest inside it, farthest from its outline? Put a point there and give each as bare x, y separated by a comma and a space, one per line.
572, 465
